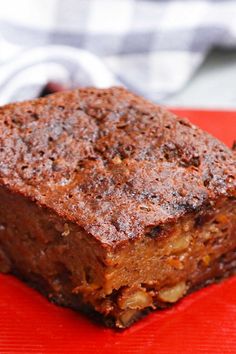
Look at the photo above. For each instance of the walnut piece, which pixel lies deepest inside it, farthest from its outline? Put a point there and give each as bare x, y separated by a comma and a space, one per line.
126, 317
174, 293
179, 244
137, 299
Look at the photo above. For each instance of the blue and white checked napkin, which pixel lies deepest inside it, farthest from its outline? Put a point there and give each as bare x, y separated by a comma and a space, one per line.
152, 47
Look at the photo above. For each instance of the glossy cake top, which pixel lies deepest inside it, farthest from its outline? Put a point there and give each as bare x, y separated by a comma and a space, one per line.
111, 161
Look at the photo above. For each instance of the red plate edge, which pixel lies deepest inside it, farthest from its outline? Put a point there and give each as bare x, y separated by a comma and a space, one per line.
204, 322
221, 124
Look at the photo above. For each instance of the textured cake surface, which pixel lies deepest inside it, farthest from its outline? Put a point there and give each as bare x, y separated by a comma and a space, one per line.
111, 161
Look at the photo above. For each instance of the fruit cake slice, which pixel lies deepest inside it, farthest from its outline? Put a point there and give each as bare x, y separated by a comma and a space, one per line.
111, 204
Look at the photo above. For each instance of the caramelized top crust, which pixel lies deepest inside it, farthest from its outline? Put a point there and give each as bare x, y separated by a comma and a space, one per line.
110, 161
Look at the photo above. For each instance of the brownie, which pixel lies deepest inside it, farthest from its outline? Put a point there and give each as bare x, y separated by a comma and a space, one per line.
112, 205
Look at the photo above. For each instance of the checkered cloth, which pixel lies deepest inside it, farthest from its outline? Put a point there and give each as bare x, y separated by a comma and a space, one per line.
152, 47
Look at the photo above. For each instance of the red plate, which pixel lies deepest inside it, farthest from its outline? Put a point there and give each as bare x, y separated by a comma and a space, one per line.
204, 322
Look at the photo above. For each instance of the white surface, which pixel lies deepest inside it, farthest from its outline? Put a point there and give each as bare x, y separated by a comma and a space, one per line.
213, 86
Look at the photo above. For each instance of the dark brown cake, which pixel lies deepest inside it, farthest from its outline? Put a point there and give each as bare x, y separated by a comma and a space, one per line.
111, 203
